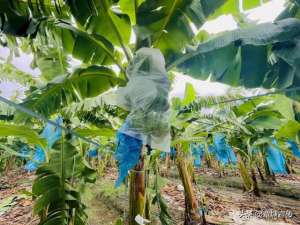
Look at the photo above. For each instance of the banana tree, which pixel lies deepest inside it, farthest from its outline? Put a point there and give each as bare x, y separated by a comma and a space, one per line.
104, 35
249, 124
107, 33
57, 188
184, 132
264, 118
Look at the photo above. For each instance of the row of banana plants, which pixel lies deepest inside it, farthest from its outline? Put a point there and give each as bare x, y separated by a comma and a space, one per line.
250, 124
59, 180
103, 36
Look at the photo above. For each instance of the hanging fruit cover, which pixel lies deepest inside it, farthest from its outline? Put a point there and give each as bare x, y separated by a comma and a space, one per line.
146, 97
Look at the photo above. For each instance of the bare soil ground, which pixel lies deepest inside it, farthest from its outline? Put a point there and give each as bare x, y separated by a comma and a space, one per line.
225, 205
222, 204
15, 205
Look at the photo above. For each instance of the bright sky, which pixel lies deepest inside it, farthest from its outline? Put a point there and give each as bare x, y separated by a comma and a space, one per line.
10, 89
204, 88
220, 24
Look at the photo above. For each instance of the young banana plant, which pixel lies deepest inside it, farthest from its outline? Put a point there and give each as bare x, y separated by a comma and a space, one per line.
56, 188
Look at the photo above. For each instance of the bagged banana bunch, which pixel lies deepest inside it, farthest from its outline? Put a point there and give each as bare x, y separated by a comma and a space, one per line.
146, 98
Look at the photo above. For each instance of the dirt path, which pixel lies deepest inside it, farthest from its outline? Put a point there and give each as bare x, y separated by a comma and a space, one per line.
226, 205
105, 204
100, 211
15, 206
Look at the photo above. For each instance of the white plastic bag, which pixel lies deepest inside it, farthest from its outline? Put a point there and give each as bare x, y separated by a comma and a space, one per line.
146, 97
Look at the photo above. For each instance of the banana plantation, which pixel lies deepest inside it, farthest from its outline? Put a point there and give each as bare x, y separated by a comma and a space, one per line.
135, 112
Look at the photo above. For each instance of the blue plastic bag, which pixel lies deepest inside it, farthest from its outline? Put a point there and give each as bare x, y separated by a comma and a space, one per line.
197, 153
127, 154
211, 149
51, 133
275, 159
293, 146
173, 153
163, 155
92, 153
224, 152
25, 151
38, 158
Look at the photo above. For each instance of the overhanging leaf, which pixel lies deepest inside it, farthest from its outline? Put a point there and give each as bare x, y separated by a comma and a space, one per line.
31, 136
250, 4
285, 106
288, 130
103, 26
90, 48
168, 23
83, 83
230, 7
216, 56
266, 119
130, 7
